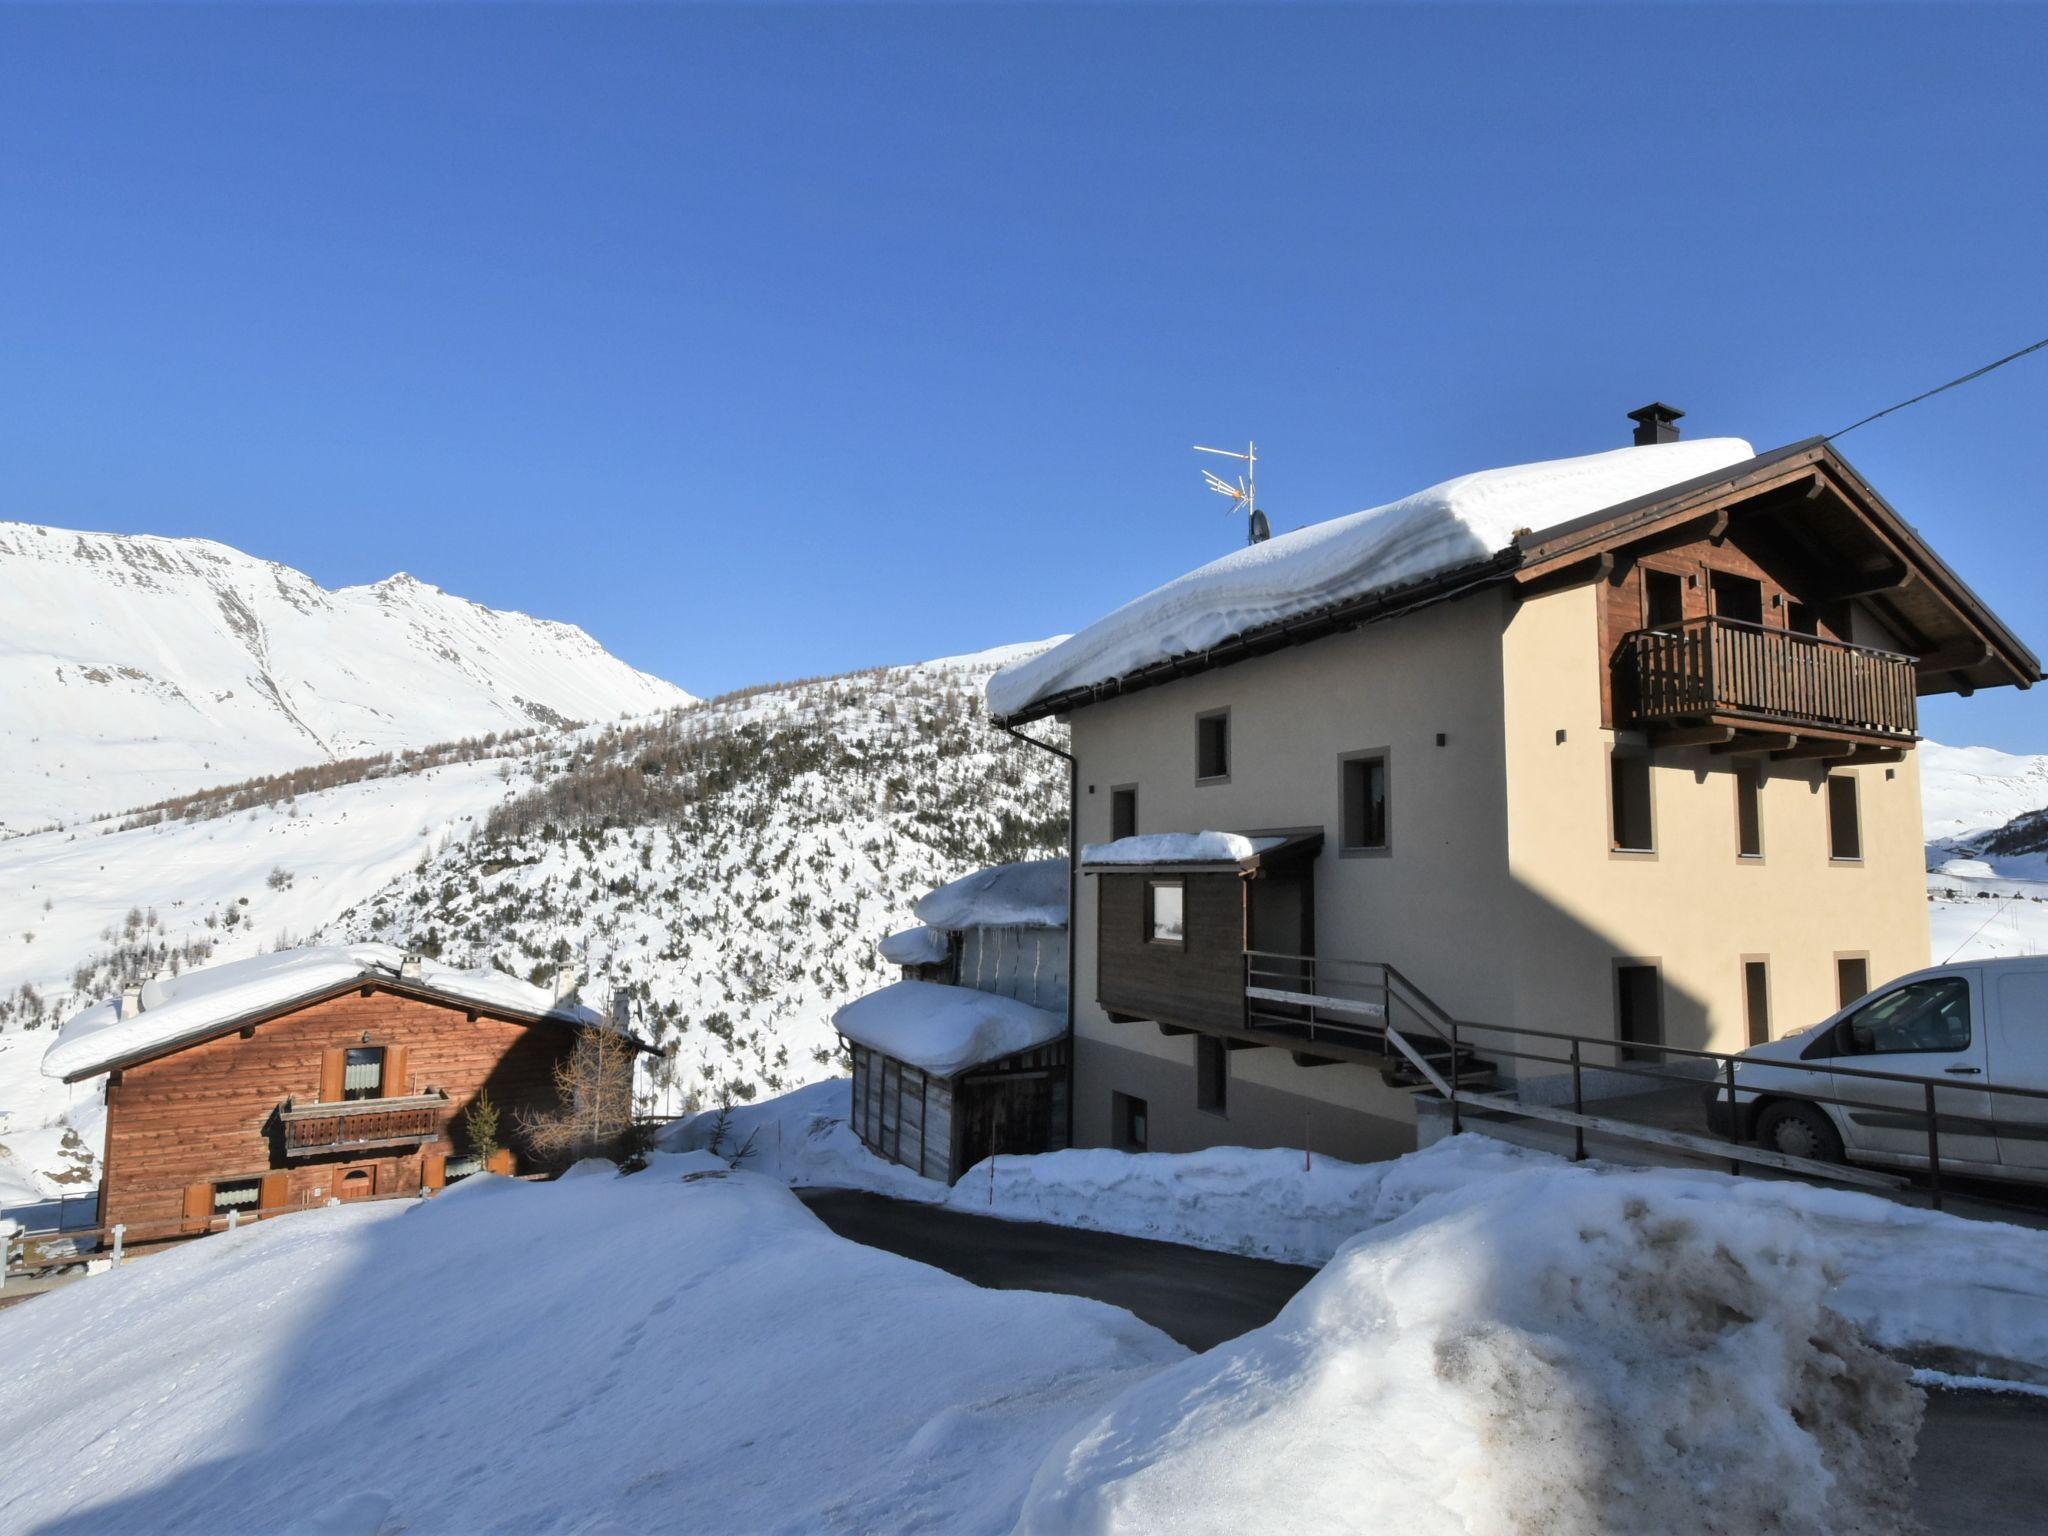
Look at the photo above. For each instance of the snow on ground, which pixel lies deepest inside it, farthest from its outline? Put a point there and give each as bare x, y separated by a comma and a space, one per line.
945, 1030
675, 1350
65, 896
1459, 522
1975, 911
1543, 1350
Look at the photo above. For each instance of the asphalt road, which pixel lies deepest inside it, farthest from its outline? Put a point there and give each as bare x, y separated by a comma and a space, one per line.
1982, 1466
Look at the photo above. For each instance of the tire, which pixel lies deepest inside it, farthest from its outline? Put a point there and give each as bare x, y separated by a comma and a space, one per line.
1799, 1130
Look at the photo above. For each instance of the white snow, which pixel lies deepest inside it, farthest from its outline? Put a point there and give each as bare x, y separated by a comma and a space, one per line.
943, 1029
1032, 894
188, 1006
1178, 848
1970, 790
135, 668
681, 1348
1544, 1351
1459, 522
916, 946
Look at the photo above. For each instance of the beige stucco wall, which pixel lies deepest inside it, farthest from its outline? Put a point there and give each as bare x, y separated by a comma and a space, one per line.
1500, 896
1694, 907
1426, 904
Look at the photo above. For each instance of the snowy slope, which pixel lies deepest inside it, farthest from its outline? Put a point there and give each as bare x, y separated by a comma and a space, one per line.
1965, 791
133, 668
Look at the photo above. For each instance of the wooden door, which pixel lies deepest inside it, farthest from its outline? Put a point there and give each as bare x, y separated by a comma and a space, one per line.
356, 1183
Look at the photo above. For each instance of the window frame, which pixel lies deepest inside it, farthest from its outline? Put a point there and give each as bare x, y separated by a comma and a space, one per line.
1828, 783
358, 1096
1201, 721
253, 1184
1621, 752
1124, 1108
1749, 1000
1851, 957
1749, 780
1153, 885
1649, 569
1637, 1050
1346, 849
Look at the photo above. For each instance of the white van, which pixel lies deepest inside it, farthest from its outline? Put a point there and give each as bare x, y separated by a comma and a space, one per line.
1965, 1026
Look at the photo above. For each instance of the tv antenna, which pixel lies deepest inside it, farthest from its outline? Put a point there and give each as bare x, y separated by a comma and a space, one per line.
1245, 492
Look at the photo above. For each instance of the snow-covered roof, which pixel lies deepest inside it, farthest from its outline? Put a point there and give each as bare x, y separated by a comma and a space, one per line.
916, 946
945, 1030
1028, 895
1179, 848
188, 1007
1460, 522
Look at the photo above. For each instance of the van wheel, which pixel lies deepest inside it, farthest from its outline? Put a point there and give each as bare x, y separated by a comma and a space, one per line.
1799, 1130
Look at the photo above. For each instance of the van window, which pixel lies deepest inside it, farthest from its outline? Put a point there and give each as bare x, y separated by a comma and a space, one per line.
1930, 1015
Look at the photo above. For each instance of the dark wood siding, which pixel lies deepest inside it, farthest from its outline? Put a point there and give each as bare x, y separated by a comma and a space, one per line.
208, 1113
1199, 981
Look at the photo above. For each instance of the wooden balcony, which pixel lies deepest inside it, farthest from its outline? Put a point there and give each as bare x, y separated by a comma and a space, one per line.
357, 1125
1712, 671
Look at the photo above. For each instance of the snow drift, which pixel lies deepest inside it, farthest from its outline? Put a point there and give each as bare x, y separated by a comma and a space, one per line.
1032, 894
1178, 848
1545, 1351
915, 946
1460, 522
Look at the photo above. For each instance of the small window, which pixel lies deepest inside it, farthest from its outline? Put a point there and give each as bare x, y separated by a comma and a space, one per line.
1164, 915
1852, 978
1740, 598
1133, 1124
1365, 801
1749, 814
1801, 619
363, 1072
459, 1168
236, 1195
1756, 999
1631, 803
1123, 812
1212, 1074
1638, 1011
1845, 831
1212, 745
1663, 599
1931, 1015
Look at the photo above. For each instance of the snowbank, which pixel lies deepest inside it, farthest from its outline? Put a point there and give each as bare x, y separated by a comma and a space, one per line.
681, 1348
803, 1138
916, 946
188, 1006
1032, 894
942, 1029
1544, 1351
1178, 848
1456, 523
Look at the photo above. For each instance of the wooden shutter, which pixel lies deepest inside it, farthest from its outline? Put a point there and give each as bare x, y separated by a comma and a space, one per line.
333, 1066
397, 1076
276, 1191
501, 1161
434, 1171
198, 1207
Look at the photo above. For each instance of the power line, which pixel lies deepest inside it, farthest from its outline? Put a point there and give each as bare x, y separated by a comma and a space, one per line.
1977, 373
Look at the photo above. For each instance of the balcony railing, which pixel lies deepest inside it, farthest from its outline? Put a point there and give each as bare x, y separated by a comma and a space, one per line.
1710, 667
358, 1124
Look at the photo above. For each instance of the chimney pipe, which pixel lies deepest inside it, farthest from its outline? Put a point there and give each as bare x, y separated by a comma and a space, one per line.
1656, 423
131, 1000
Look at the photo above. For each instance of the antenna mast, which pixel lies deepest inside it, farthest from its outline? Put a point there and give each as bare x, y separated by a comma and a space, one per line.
1244, 495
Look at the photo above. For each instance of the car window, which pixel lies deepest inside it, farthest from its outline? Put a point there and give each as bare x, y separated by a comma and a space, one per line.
1931, 1015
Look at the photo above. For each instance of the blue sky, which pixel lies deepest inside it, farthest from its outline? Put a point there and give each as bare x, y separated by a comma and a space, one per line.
774, 341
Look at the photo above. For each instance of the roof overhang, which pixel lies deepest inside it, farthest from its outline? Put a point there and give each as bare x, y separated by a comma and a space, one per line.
367, 983
1273, 852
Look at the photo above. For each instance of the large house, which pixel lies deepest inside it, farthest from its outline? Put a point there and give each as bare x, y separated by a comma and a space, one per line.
1615, 746
325, 1073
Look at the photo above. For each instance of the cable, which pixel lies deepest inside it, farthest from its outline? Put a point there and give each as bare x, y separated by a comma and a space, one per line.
1929, 394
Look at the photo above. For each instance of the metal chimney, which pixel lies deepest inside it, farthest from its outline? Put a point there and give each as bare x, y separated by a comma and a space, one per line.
1656, 423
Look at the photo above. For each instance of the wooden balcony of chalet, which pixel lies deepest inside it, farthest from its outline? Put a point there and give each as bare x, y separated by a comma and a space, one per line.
356, 1125
1707, 673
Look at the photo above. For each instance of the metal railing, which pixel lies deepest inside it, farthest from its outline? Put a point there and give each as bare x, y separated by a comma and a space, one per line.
1716, 666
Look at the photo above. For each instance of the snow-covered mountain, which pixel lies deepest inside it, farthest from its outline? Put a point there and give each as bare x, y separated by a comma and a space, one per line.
133, 668
1966, 791
731, 865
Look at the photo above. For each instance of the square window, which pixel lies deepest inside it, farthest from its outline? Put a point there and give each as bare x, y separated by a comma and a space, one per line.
1123, 812
1165, 903
363, 1072
1365, 801
1132, 1123
1632, 831
1845, 831
1212, 745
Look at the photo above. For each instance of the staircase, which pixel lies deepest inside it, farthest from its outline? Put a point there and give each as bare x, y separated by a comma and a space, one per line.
1330, 1010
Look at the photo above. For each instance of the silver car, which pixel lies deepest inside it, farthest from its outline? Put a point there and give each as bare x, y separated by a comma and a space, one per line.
1965, 1027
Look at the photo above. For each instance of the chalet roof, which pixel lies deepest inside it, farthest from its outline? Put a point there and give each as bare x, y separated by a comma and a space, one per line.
199, 1004
1032, 894
1476, 531
946, 1030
